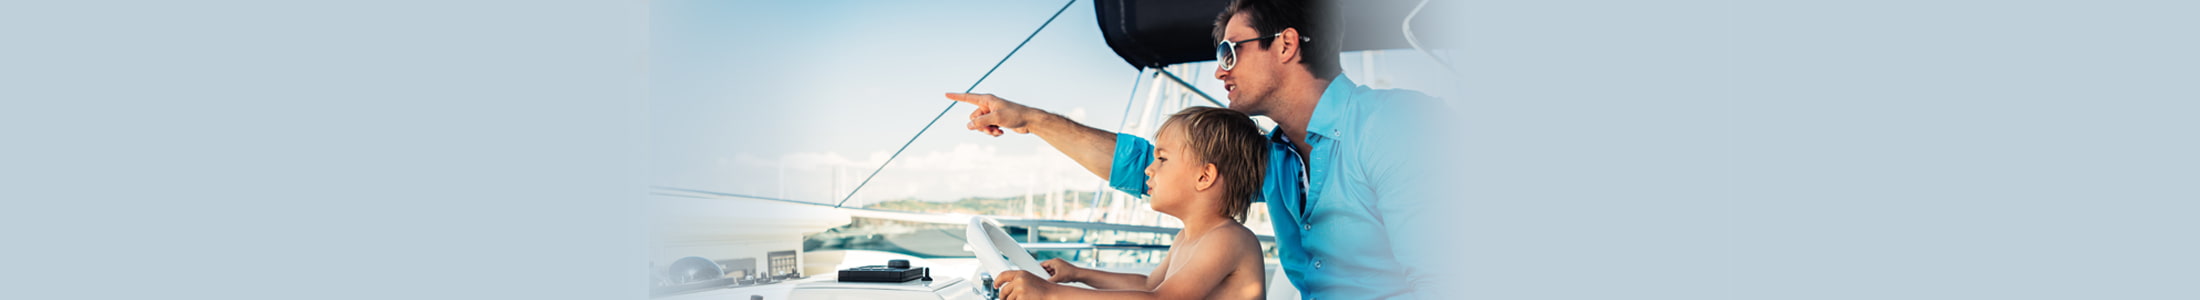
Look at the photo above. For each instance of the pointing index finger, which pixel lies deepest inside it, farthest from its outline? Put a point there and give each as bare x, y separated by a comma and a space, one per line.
976, 99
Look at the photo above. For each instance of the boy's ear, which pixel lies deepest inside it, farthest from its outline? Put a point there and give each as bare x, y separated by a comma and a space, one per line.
1207, 178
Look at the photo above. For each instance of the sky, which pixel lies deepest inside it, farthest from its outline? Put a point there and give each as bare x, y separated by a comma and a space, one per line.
800, 100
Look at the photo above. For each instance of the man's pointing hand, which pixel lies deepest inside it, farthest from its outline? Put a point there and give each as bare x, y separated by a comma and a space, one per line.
994, 113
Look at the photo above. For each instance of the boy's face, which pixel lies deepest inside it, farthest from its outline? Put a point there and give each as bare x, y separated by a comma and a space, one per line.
1177, 174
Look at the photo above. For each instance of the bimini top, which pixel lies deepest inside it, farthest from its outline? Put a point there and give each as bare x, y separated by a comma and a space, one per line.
1155, 33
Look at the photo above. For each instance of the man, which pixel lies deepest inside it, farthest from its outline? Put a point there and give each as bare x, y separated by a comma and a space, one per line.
1352, 186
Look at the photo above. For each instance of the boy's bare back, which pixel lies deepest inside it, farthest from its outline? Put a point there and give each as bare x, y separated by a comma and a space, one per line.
1225, 261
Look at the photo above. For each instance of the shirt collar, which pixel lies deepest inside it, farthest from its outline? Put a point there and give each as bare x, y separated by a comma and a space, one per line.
1330, 110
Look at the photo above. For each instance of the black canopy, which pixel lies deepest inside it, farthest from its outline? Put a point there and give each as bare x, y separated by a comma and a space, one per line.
1155, 33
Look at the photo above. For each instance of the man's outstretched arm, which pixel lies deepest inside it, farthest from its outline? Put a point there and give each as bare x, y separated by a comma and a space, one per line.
1090, 147
1097, 150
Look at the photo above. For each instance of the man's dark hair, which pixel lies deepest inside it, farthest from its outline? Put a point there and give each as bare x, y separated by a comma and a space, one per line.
1310, 17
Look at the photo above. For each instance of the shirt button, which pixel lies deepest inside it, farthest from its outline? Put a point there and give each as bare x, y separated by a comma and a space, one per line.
1306, 227
1317, 264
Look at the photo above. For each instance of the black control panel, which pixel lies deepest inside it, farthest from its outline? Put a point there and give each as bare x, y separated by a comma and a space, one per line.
894, 271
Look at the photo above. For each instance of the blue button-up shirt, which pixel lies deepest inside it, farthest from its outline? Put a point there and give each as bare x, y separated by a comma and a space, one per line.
1347, 214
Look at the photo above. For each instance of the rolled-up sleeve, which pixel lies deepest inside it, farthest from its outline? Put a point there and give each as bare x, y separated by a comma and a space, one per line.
1128, 174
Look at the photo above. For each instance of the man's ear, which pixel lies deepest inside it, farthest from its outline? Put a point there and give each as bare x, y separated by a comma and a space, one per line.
1287, 46
1207, 178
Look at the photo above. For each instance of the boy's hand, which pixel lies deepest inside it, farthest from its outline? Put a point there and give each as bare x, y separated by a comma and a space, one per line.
1020, 285
1062, 270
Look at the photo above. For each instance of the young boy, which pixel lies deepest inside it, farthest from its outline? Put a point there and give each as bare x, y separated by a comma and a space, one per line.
1206, 170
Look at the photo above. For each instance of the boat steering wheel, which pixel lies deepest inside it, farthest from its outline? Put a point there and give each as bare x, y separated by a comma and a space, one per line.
999, 253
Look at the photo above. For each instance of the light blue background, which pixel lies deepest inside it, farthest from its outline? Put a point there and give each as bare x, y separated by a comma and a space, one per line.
1831, 150
323, 150
1625, 150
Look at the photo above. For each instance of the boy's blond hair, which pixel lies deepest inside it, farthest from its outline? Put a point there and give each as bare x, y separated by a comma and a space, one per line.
1233, 143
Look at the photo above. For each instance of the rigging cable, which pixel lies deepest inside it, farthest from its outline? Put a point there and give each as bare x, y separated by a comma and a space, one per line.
1195, 90
951, 105
1120, 126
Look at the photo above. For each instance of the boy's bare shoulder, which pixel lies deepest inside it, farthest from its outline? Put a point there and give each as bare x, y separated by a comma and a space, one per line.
1234, 236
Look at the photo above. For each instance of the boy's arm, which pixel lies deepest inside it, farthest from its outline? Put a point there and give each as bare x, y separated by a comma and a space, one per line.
1113, 281
1202, 274
1103, 279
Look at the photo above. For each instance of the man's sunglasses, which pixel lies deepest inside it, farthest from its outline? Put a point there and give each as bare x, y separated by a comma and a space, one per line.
1226, 51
